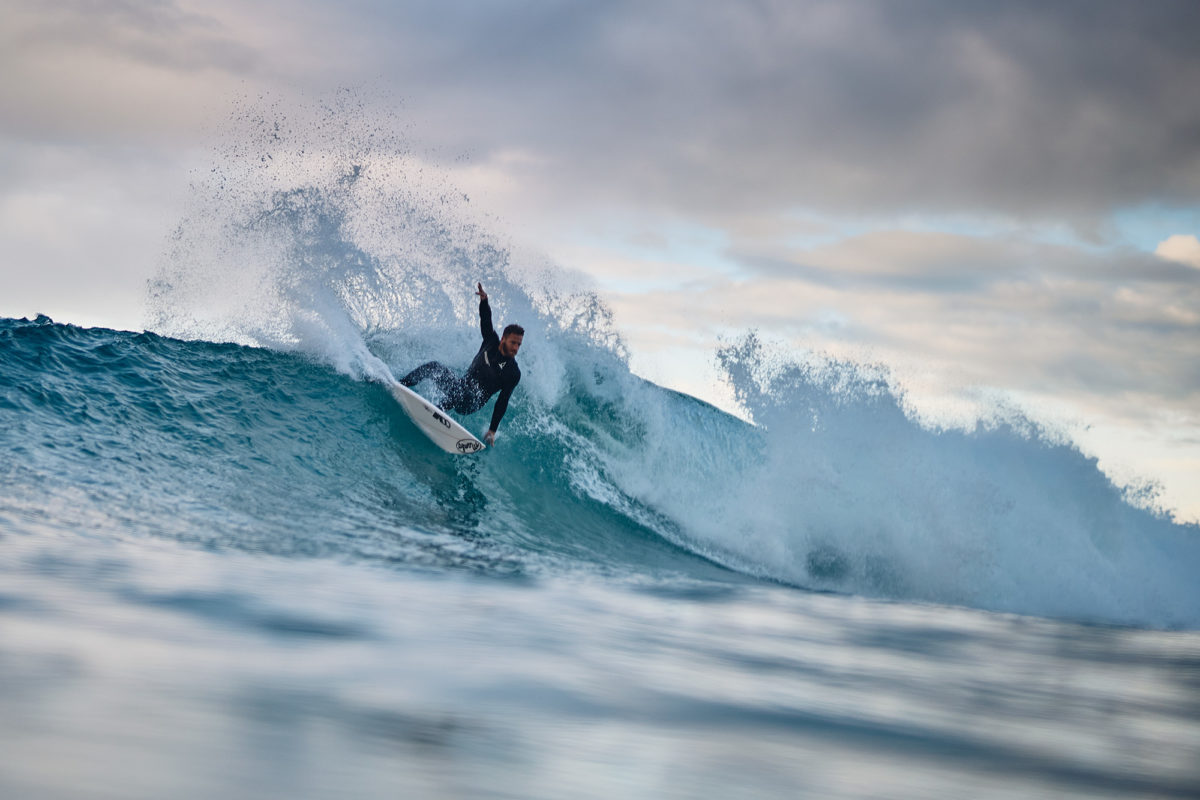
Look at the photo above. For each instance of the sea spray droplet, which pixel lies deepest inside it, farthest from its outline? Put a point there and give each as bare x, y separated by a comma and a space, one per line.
343, 245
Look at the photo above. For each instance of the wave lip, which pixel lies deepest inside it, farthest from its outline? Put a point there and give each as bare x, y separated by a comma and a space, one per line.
851, 493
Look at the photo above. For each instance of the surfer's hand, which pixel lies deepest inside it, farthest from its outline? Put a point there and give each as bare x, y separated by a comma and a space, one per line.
489, 438
482, 294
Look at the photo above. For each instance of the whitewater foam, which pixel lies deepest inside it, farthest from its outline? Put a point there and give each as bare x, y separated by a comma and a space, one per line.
850, 493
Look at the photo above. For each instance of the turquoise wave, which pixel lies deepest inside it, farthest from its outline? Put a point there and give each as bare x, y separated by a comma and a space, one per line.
223, 446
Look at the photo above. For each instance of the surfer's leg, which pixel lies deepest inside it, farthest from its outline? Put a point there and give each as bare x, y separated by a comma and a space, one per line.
430, 370
456, 394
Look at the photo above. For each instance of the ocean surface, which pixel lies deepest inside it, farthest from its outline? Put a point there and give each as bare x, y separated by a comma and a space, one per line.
231, 567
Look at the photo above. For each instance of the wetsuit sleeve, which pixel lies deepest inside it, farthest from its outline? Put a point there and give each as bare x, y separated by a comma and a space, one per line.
485, 323
502, 402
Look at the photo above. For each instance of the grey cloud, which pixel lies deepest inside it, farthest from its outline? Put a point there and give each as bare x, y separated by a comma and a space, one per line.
157, 33
1025, 108
123, 70
950, 264
1068, 109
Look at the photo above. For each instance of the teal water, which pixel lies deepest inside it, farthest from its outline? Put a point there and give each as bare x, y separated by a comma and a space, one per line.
233, 571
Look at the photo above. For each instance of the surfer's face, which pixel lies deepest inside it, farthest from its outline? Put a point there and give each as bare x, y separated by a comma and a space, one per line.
510, 344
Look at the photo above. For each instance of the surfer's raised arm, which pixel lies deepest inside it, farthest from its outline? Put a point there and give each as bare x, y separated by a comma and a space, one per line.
485, 318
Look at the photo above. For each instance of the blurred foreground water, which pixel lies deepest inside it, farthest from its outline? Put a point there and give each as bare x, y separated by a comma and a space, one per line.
147, 669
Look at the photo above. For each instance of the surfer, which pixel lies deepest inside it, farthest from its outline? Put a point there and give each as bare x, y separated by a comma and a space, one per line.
494, 369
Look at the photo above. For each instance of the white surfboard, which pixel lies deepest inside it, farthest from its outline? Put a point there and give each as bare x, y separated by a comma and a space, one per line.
435, 423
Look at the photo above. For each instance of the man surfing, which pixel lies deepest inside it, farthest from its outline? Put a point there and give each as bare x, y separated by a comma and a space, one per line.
494, 369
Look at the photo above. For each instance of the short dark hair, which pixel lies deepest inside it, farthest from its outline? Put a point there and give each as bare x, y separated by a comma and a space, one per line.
517, 329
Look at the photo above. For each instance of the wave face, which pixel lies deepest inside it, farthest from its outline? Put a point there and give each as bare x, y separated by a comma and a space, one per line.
228, 446
250, 420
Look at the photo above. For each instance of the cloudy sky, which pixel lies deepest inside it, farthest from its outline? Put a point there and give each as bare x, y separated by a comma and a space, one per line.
996, 200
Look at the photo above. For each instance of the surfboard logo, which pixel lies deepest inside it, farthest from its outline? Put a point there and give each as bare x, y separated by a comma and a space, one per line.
469, 446
441, 419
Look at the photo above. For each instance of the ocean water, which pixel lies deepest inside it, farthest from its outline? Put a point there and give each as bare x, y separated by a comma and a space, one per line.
231, 567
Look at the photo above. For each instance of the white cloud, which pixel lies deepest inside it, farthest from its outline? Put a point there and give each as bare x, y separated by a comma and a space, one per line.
1108, 330
1184, 249
82, 228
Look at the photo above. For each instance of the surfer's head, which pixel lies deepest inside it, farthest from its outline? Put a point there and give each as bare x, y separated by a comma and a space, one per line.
510, 342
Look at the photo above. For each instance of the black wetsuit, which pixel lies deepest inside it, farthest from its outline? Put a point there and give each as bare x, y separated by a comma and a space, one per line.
490, 372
